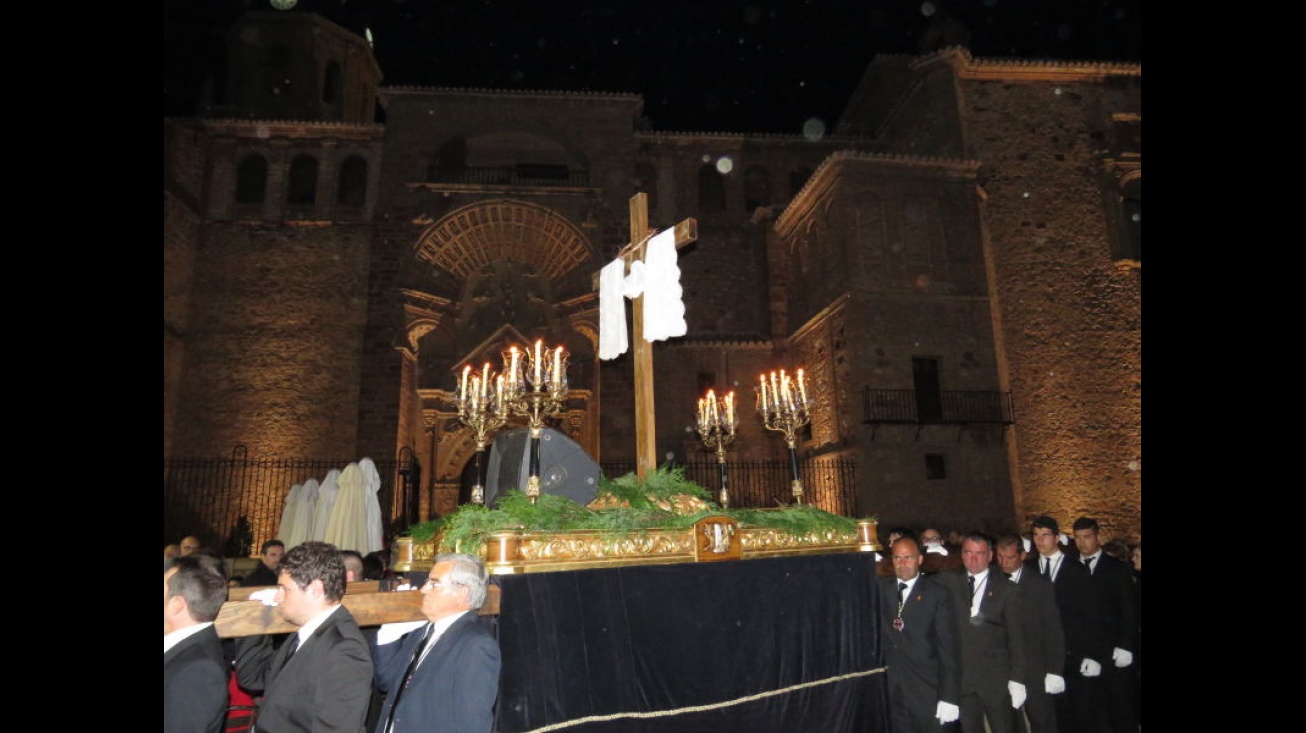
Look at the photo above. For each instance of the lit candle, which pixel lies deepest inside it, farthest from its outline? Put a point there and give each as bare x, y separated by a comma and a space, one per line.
802, 388
730, 408
476, 392
462, 394
763, 381
512, 369
788, 396
557, 368
538, 343
485, 381
711, 407
499, 395
775, 392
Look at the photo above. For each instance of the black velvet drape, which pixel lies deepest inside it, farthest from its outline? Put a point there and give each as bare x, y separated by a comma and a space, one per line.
705, 647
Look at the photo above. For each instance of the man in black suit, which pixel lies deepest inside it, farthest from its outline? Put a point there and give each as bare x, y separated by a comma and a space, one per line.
1045, 642
918, 631
987, 609
321, 677
265, 573
447, 669
1102, 695
195, 672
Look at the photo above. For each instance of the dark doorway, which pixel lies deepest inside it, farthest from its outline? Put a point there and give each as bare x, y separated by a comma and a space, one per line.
925, 378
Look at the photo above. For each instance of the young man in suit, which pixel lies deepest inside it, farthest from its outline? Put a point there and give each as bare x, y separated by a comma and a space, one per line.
987, 609
195, 672
446, 669
918, 631
1102, 696
1045, 642
321, 677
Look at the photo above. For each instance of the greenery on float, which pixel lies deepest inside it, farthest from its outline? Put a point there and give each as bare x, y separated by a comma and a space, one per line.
470, 525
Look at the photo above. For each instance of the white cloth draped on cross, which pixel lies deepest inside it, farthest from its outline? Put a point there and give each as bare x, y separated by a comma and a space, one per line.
657, 278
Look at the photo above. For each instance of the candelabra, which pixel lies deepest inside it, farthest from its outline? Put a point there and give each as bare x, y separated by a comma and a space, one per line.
717, 421
481, 407
784, 406
538, 393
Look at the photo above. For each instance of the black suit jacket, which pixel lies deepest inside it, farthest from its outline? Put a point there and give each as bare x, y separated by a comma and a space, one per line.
1040, 623
325, 686
923, 658
1112, 616
260, 575
456, 684
195, 678
992, 649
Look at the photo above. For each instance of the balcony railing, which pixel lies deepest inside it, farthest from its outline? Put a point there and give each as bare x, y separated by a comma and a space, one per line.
942, 408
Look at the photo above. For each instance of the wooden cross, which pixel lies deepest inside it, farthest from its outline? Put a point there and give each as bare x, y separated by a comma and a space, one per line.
645, 419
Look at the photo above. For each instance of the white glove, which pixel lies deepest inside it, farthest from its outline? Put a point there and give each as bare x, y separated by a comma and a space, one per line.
391, 631
1090, 668
1054, 684
946, 712
1017, 691
268, 596
1024, 542
936, 548
1122, 658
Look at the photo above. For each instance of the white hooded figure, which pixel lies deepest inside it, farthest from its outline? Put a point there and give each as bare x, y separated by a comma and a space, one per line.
347, 526
305, 506
326, 501
287, 525
375, 527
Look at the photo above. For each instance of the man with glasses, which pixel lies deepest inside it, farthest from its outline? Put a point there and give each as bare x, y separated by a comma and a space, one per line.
446, 669
321, 677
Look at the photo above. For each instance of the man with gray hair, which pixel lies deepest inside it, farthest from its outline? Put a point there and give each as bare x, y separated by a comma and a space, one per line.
195, 672
446, 669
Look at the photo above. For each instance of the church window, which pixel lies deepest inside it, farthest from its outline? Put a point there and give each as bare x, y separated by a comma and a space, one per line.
352, 190
331, 82
303, 180
251, 179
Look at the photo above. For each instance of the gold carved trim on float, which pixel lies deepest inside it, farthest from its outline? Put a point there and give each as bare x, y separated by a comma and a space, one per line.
710, 539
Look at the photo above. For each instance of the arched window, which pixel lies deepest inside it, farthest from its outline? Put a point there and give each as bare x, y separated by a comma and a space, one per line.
251, 179
331, 82
303, 181
757, 188
352, 190
711, 189
646, 180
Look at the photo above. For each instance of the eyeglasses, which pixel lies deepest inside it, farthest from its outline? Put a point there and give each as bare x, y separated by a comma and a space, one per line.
434, 583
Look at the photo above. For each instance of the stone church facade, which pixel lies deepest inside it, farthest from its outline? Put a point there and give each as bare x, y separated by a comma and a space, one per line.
967, 234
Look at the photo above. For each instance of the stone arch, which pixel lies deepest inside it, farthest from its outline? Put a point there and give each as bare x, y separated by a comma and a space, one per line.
468, 238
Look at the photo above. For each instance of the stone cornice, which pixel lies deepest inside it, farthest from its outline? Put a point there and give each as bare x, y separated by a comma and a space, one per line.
387, 93
289, 128
826, 174
1015, 70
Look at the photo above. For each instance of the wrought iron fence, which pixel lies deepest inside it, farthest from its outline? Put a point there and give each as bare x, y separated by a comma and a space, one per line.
234, 504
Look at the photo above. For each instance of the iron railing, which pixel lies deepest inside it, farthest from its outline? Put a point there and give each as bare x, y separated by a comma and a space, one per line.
945, 407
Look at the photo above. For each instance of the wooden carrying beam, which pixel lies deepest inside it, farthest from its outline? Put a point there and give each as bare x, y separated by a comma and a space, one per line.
369, 607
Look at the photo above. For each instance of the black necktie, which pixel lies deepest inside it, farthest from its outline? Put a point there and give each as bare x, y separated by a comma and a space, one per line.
1046, 565
1088, 563
971, 579
1008, 575
292, 645
902, 588
408, 676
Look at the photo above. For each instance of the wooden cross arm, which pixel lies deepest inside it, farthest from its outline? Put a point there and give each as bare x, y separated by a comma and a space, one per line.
246, 618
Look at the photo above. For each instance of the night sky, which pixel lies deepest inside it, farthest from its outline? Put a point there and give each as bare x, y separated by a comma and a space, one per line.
709, 65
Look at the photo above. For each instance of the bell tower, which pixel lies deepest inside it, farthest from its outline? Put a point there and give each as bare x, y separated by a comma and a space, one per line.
297, 65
